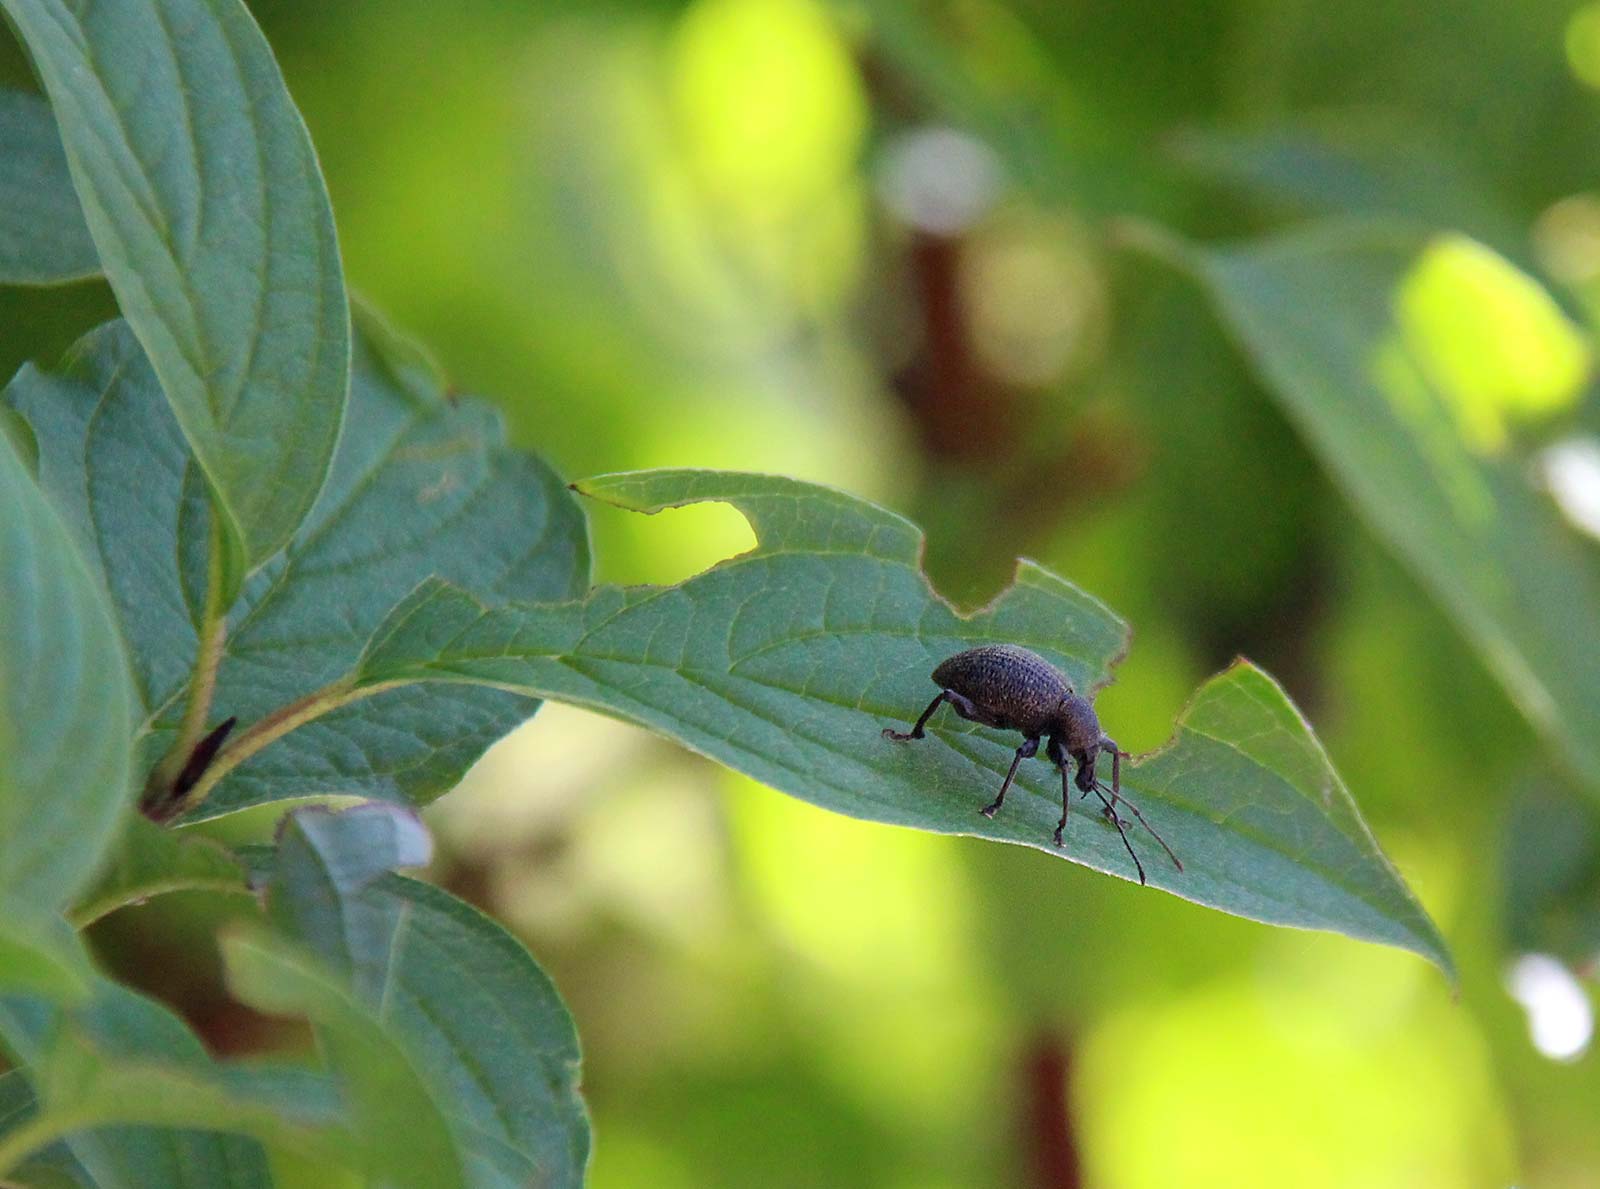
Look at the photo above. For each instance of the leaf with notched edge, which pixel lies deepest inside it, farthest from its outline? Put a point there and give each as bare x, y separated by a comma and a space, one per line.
787, 661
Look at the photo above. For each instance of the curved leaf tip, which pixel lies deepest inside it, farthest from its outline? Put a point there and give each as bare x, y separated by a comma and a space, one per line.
1245, 711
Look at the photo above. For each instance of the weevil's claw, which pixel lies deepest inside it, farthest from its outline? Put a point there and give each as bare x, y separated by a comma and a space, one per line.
1058, 837
989, 810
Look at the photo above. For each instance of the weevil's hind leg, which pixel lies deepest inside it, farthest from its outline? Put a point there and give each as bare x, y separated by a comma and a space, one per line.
1111, 814
968, 709
917, 732
1026, 751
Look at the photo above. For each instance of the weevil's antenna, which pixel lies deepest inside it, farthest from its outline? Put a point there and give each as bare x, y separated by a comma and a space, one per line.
1134, 809
1117, 822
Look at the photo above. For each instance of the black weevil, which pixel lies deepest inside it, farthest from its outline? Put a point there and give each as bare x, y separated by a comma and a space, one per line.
1003, 686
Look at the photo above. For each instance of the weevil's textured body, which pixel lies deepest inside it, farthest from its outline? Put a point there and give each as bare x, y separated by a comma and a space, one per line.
1019, 689
1013, 689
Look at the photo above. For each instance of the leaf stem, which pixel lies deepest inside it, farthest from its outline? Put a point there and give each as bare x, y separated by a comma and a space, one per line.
274, 727
203, 685
37, 1134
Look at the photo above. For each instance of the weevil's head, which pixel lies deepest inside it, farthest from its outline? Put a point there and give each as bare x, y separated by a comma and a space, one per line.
1077, 724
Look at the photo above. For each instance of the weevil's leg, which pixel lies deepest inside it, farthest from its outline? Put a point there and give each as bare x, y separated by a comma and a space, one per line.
1066, 803
917, 732
1026, 751
968, 709
1059, 757
1117, 822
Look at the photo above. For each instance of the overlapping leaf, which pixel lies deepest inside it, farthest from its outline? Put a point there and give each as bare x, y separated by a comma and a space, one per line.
206, 204
403, 1139
147, 860
406, 978
787, 661
139, 1103
64, 707
420, 486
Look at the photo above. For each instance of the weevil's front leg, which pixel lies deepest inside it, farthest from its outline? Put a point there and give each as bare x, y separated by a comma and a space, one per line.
1026, 751
917, 732
1066, 802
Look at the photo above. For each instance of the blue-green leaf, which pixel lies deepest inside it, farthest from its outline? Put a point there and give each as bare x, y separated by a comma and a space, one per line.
402, 1136
147, 861
454, 994
206, 204
64, 706
43, 238
412, 471
138, 1101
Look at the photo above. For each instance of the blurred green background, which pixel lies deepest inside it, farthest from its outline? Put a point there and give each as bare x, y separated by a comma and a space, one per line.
875, 245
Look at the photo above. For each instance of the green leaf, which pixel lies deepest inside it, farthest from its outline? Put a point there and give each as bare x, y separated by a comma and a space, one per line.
473, 1014
51, 1167
404, 1138
1550, 868
43, 238
1351, 163
150, 861
1408, 366
412, 469
19, 434
37, 960
206, 203
786, 663
325, 860
64, 706
139, 1102
304, 1095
